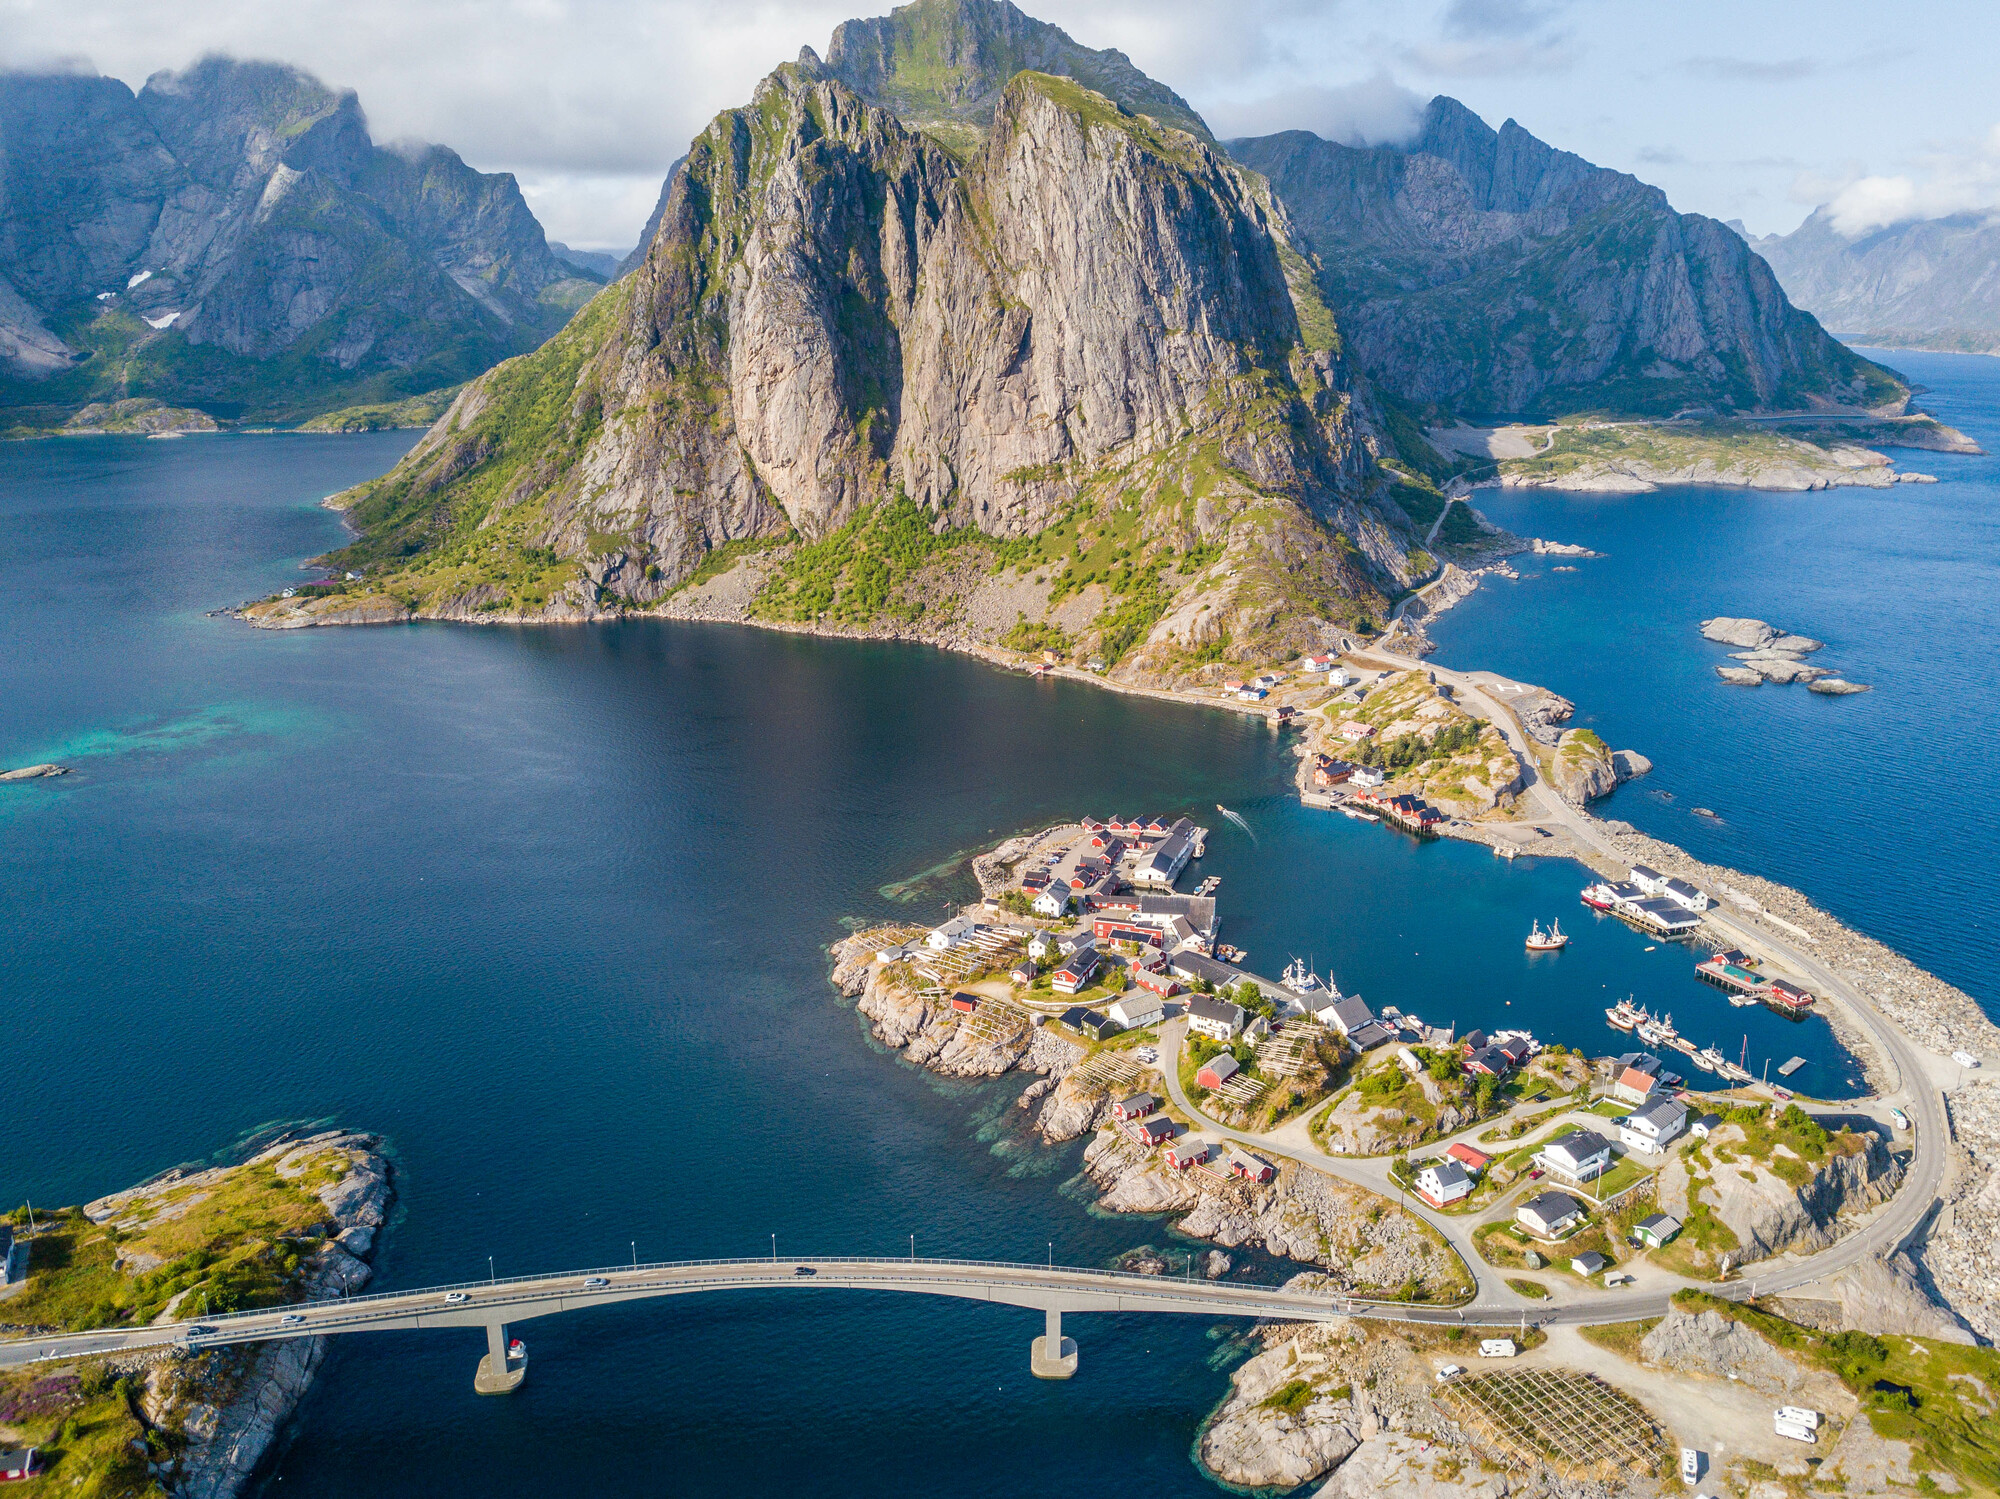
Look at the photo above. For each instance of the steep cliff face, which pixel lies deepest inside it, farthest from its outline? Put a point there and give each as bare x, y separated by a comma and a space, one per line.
1484, 271
1090, 313
1928, 284
231, 237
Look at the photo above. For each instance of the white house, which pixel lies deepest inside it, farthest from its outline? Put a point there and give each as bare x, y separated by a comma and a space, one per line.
1215, 1018
1681, 893
1138, 1010
1053, 901
1649, 879
1651, 1128
1368, 777
953, 932
1634, 1085
1443, 1182
1581, 1155
1340, 676
1041, 945
1705, 1125
1317, 663
1548, 1215
1169, 856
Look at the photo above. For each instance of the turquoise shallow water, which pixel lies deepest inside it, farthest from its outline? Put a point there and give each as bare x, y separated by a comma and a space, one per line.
548, 908
1884, 807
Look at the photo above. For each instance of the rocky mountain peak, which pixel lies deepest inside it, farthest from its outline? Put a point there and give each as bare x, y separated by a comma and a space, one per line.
946, 62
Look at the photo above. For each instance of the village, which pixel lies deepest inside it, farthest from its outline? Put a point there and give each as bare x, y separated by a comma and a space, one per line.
1566, 1172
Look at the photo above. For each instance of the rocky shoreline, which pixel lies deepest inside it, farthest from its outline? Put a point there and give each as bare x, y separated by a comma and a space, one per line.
1356, 1238
226, 1411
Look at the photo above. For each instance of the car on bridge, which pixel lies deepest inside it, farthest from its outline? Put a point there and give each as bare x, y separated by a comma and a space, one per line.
595, 1283
456, 1298
199, 1330
291, 1319
805, 1270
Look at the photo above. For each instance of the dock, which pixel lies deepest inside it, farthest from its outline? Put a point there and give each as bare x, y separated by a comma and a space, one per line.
1792, 1066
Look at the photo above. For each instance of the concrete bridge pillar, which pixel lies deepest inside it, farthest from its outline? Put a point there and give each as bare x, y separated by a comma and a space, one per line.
1052, 1356
498, 1374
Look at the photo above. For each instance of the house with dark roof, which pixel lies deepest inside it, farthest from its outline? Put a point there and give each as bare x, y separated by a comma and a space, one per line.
1581, 1155
1218, 1019
1216, 1071
1550, 1214
1442, 1183
1155, 1130
1653, 1128
1164, 863
1656, 1230
1138, 1106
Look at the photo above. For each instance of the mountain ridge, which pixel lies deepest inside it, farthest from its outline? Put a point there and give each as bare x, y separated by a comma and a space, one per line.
1922, 283
1483, 271
229, 236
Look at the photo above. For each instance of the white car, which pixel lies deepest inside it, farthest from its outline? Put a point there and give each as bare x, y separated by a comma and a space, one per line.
1898, 1118
1449, 1371
291, 1319
1965, 1059
595, 1283
456, 1298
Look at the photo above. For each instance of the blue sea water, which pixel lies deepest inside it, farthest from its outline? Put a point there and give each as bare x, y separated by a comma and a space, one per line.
1884, 807
548, 908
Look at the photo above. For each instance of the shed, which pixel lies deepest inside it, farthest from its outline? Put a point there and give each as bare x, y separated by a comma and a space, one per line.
1656, 1230
1138, 1106
1250, 1167
1589, 1264
964, 1003
1216, 1071
1156, 1130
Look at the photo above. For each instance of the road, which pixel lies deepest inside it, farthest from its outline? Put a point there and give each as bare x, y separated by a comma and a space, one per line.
1911, 1089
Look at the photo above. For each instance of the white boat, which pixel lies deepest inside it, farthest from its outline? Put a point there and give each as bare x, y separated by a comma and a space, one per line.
1622, 1016
1743, 1001
1552, 940
1298, 978
1713, 1060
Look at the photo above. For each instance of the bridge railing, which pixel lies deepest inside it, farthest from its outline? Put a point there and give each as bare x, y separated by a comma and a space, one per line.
628, 1270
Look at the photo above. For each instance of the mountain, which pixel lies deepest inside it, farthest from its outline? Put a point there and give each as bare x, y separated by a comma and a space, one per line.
1478, 271
600, 265
940, 66
230, 238
1073, 377
1927, 284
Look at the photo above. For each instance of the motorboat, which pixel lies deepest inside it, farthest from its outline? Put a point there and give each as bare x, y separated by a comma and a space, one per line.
1298, 978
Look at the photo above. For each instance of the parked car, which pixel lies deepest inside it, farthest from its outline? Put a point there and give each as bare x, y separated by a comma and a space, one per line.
456, 1298
1535, 1175
595, 1283
1898, 1118
1449, 1371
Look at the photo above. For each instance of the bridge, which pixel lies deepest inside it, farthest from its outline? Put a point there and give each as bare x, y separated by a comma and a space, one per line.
495, 1305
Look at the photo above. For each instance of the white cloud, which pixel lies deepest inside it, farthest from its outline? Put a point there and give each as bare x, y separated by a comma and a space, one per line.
1376, 111
1943, 183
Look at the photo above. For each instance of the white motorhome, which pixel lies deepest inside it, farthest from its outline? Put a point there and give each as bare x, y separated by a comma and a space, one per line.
1497, 1348
1798, 1431
1800, 1414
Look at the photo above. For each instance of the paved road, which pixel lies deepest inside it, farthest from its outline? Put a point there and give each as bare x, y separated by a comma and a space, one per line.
1912, 1088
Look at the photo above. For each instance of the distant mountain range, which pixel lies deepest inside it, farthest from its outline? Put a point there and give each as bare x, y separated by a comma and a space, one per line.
1926, 284
230, 238
1483, 272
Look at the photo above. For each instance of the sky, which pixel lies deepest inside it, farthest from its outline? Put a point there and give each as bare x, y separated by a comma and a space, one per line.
1758, 110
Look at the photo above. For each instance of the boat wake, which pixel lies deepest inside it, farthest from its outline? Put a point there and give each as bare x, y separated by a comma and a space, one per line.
1238, 821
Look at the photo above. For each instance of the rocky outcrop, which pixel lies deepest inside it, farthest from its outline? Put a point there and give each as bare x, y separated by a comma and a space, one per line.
226, 1409
33, 772
1771, 655
1485, 271
1359, 1239
1770, 1211
1711, 1344
234, 215
1252, 1445
1075, 1109
1885, 1298
138, 416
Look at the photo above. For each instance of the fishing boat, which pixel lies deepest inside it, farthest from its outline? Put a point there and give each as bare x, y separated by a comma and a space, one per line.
1298, 978
1743, 1001
1623, 1016
517, 1352
1552, 940
1598, 897
1713, 1060
1658, 1032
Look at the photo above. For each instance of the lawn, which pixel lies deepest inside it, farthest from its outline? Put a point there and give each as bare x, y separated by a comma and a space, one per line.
1622, 1338
82, 1420
1534, 1290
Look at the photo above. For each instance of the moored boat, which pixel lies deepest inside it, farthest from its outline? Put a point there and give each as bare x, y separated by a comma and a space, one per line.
1552, 940
1298, 978
1598, 897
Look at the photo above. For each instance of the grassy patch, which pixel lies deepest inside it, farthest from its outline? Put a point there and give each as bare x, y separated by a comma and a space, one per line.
1532, 1289
83, 1421
1292, 1398
1622, 1338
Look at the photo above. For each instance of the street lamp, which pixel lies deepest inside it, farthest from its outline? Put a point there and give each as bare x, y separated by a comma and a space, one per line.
913, 1249
491, 1278
774, 1249
635, 1254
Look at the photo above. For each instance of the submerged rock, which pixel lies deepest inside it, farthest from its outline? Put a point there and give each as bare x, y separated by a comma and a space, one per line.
33, 772
1837, 687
